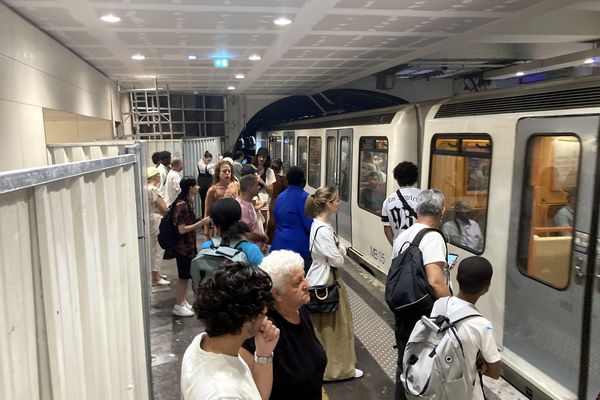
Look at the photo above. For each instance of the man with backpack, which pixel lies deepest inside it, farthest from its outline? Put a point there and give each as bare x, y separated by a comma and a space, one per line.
445, 352
427, 261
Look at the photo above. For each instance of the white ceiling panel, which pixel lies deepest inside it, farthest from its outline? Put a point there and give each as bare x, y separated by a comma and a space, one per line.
328, 43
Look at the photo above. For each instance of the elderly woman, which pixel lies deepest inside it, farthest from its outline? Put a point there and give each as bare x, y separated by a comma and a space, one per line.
300, 359
157, 208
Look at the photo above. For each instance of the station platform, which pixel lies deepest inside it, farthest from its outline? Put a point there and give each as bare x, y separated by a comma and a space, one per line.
373, 329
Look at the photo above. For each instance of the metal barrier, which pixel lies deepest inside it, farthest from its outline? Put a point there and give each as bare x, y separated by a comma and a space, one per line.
72, 324
70, 152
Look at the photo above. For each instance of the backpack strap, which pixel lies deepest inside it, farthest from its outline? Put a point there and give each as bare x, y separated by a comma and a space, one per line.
419, 236
405, 204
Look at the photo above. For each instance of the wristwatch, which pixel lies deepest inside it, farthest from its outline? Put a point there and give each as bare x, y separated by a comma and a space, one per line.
263, 360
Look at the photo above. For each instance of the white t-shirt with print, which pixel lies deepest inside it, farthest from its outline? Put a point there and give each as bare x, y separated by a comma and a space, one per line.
211, 376
433, 245
475, 334
393, 213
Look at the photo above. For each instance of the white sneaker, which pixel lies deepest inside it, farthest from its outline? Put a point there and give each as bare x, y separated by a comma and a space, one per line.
162, 282
188, 305
163, 276
358, 373
182, 311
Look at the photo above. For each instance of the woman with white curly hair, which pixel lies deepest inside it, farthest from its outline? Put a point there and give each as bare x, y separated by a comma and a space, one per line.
300, 362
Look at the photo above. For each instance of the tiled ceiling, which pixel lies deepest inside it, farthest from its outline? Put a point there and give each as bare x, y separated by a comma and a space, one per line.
329, 42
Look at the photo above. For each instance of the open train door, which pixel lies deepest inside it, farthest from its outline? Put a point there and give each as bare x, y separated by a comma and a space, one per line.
338, 170
552, 300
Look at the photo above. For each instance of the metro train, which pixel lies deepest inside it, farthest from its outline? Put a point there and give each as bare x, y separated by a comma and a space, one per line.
519, 158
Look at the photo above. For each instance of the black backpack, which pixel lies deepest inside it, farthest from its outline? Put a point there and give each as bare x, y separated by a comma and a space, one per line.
168, 234
407, 291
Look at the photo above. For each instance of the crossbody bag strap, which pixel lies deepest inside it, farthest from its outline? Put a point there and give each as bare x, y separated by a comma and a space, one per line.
405, 204
311, 247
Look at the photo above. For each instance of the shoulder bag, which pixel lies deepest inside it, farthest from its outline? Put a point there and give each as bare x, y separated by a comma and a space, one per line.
324, 298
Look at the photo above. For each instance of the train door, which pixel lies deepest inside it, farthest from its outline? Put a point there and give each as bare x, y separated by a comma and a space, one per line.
549, 284
288, 150
275, 146
338, 170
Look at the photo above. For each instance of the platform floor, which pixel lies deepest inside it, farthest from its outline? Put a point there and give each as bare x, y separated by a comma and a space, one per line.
374, 336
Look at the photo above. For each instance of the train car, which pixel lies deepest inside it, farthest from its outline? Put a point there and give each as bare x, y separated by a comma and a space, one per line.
519, 170
524, 164
354, 151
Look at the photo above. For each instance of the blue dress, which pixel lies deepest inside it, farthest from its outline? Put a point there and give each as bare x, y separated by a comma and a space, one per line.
292, 226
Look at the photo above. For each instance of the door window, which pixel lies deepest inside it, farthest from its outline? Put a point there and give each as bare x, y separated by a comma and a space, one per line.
275, 147
373, 173
548, 208
302, 153
345, 165
330, 161
460, 168
288, 149
314, 162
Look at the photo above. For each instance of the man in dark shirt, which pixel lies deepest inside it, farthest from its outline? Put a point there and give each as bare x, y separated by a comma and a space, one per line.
292, 226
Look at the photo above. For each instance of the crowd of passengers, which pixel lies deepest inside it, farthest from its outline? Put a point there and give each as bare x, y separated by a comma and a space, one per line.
258, 339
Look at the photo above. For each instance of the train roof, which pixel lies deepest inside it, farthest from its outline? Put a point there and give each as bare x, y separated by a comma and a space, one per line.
379, 116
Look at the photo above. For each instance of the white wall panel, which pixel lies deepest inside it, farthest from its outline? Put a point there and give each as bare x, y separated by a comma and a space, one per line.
38, 72
79, 334
70, 152
171, 145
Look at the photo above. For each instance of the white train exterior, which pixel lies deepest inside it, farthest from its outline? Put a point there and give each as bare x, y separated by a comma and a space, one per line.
520, 158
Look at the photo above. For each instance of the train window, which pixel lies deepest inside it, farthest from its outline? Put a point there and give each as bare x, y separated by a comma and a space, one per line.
460, 168
302, 153
288, 149
373, 153
548, 208
314, 162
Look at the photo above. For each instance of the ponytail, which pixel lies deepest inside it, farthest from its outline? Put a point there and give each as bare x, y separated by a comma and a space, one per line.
317, 203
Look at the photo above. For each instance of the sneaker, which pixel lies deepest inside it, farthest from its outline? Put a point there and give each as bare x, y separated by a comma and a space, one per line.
182, 311
162, 282
188, 305
358, 373
163, 276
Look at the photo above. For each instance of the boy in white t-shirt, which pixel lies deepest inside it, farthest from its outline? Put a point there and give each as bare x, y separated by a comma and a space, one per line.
481, 354
398, 215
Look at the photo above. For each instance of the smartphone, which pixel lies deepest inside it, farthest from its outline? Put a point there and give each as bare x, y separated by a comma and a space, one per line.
452, 257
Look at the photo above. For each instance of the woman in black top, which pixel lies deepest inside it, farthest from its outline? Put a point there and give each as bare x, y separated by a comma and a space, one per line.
299, 359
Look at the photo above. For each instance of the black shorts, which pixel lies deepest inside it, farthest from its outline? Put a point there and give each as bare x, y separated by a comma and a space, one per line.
183, 266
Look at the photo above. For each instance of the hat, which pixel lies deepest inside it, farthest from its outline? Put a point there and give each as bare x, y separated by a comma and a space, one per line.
263, 151
248, 169
462, 206
151, 172
228, 159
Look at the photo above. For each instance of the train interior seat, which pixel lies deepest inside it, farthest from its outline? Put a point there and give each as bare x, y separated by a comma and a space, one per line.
550, 259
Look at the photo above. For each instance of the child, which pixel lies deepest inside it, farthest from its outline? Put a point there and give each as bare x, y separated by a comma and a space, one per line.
474, 277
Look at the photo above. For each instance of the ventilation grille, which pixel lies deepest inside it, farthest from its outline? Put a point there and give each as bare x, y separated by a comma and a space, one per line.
563, 99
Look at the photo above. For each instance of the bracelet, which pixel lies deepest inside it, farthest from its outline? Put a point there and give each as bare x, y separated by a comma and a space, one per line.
263, 360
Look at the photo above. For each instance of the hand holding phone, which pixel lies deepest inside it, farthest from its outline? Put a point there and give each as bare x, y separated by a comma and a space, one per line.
452, 257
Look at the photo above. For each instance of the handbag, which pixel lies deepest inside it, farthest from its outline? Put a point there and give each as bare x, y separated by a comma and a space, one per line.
324, 298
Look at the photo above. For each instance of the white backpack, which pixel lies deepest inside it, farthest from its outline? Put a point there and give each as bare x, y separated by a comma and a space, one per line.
434, 365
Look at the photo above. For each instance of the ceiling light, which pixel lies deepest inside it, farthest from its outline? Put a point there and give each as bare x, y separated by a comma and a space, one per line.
254, 57
192, 57
145, 76
282, 21
112, 19
138, 57
590, 60
520, 73
230, 87
240, 76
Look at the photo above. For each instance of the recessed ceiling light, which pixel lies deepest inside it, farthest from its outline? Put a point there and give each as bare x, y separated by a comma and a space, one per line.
590, 60
138, 57
520, 73
110, 18
145, 76
230, 87
254, 57
282, 21
240, 76
192, 57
